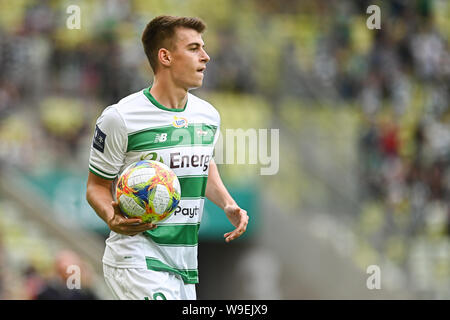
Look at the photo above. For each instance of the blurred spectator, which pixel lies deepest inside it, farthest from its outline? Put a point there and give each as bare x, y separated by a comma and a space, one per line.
58, 287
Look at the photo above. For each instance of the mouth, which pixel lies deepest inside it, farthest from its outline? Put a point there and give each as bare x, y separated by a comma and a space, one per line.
201, 70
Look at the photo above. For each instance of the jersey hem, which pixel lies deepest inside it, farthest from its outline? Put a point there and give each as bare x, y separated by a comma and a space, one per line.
101, 176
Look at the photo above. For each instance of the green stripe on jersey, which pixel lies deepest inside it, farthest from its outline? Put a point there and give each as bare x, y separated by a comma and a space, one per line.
175, 234
169, 136
193, 186
189, 275
101, 173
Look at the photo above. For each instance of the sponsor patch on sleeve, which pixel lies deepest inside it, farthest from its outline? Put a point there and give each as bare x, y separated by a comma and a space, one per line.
99, 140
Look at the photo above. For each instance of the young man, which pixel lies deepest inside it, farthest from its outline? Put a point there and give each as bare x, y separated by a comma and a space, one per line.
165, 123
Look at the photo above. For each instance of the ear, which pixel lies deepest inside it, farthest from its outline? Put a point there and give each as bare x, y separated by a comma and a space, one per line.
164, 57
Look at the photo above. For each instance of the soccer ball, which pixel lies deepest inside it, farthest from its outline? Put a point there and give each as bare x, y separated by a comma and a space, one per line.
149, 190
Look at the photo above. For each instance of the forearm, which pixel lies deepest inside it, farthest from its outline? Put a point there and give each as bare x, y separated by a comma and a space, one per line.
216, 190
99, 198
101, 203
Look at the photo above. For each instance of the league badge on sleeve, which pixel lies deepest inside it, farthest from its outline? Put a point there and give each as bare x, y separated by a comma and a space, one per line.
99, 139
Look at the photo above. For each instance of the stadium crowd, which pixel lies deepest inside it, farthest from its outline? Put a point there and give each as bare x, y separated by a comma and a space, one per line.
54, 82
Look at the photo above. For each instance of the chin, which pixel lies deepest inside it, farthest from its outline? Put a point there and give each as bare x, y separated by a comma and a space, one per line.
196, 85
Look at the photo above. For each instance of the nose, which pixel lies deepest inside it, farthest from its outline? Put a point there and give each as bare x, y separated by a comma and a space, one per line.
205, 57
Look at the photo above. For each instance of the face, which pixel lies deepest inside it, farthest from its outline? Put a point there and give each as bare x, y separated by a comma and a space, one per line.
188, 59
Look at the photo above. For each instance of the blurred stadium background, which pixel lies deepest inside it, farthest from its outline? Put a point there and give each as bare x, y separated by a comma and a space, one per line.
364, 176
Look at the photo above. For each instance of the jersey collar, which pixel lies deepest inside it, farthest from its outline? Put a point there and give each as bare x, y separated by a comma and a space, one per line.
159, 105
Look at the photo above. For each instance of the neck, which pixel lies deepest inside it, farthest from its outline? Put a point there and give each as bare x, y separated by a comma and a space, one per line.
168, 94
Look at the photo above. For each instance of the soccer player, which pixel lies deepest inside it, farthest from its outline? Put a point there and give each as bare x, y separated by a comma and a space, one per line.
167, 123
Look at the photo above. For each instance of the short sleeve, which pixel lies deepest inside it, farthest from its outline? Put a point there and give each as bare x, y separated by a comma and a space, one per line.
109, 145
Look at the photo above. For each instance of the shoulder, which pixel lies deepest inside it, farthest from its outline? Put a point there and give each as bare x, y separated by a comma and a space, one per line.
111, 117
132, 99
116, 114
131, 102
205, 107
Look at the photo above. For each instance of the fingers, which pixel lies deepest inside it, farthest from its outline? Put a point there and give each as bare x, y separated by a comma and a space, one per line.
136, 223
241, 228
233, 235
134, 229
131, 221
140, 228
128, 226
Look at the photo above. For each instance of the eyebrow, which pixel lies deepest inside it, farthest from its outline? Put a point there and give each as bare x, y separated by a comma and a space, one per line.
196, 44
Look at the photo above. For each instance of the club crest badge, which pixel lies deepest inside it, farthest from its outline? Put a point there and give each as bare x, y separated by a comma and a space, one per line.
180, 122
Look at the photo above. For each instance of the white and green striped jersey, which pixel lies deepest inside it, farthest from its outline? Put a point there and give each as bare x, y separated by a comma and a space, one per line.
138, 127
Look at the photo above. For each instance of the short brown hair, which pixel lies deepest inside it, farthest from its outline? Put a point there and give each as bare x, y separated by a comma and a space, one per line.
160, 31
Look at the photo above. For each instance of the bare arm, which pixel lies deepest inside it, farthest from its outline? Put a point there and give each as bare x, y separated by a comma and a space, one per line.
98, 195
219, 195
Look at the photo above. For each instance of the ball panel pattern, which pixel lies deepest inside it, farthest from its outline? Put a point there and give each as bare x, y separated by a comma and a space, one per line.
148, 189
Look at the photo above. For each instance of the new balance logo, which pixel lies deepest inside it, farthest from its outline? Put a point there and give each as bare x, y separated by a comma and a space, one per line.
160, 137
